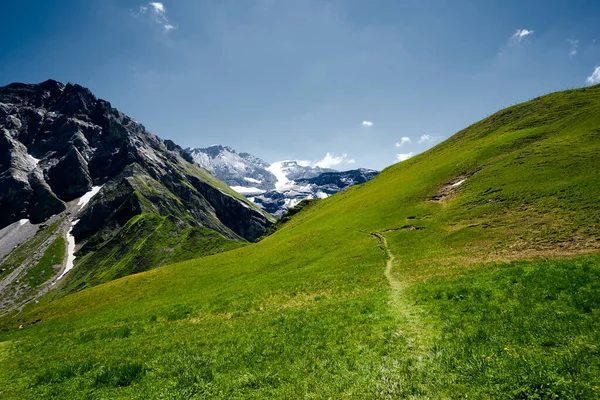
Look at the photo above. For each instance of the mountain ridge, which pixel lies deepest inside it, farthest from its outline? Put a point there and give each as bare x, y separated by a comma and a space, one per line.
278, 186
67, 155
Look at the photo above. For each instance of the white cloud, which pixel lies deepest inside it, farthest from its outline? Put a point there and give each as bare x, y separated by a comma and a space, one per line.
158, 8
404, 156
403, 141
574, 44
331, 160
521, 33
594, 78
429, 139
157, 12
517, 40
367, 124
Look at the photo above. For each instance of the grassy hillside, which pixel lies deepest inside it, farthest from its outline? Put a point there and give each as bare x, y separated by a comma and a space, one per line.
147, 241
469, 271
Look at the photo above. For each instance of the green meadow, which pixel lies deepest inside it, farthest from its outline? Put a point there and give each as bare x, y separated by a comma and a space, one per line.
468, 271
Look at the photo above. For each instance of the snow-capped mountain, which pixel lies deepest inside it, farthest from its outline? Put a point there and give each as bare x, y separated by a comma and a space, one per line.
238, 170
248, 174
289, 171
319, 187
278, 186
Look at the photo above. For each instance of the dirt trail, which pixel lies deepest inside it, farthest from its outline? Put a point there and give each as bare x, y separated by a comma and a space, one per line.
411, 325
389, 264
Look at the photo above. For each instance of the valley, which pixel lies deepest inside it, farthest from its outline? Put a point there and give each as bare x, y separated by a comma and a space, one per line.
471, 270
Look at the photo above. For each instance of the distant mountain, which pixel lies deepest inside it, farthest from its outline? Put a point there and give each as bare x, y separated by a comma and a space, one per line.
319, 187
278, 186
90, 186
236, 170
289, 171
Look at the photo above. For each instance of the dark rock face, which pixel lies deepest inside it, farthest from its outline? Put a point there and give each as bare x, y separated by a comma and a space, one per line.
232, 212
70, 177
23, 191
58, 141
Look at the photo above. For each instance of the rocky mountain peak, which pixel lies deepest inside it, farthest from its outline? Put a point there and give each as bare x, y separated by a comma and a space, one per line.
72, 161
235, 169
57, 141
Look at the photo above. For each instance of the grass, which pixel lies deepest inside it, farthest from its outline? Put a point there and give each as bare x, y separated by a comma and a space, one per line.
147, 241
496, 294
51, 260
518, 330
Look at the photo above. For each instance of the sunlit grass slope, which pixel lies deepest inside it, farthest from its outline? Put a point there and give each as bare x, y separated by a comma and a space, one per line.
494, 289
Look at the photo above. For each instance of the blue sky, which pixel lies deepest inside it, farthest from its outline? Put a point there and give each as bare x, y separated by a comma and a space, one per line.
287, 79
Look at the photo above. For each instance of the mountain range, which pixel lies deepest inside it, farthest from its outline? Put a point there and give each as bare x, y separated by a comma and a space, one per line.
76, 173
278, 186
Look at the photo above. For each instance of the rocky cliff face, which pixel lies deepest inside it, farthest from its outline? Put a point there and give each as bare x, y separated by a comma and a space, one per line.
59, 144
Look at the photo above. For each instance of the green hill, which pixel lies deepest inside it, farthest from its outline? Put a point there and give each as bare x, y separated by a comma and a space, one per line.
469, 271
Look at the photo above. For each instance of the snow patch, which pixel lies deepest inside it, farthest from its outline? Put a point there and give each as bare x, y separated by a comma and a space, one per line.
322, 195
36, 161
252, 180
289, 203
458, 183
23, 222
247, 190
277, 169
70, 251
88, 196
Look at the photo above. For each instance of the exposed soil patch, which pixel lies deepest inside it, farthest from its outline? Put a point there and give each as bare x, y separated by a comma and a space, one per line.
413, 228
450, 187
